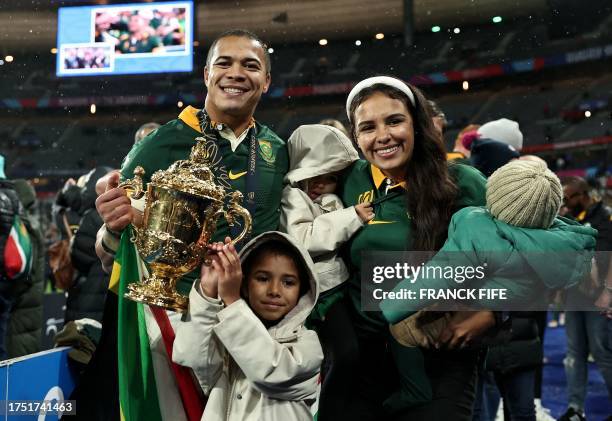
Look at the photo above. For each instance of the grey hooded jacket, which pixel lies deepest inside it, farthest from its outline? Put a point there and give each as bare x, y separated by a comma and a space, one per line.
251, 373
323, 225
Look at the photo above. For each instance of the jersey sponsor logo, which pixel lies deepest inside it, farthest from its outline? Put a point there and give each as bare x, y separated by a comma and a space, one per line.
235, 176
366, 197
266, 151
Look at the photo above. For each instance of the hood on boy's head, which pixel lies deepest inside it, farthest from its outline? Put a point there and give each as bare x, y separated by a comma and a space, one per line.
301, 311
317, 149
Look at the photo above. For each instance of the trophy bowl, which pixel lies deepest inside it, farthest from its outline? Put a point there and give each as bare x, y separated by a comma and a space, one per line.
182, 207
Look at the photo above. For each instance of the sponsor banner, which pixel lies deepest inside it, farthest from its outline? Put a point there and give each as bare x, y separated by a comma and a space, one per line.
38, 381
54, 306
493, 70
567, 145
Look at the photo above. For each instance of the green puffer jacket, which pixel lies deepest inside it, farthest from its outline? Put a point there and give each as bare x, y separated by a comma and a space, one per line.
523, 261
25, 324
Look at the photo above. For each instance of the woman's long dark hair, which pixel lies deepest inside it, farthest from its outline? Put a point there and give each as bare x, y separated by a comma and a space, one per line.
431, 192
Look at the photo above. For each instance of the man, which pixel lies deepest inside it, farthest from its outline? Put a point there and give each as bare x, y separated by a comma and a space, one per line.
8, 198
439, 118
144, 130
26, 320
237, 73
141, 37
588, 330
460, 153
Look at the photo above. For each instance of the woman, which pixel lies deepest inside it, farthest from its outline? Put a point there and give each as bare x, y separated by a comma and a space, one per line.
416, 192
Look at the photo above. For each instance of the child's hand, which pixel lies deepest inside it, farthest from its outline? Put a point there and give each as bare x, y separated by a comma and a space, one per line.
227, 265
209, 277
365, 211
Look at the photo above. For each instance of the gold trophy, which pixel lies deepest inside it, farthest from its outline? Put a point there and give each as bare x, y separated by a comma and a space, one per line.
182, 206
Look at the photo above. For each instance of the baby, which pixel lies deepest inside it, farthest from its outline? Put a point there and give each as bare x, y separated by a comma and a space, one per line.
311, 212
508, 239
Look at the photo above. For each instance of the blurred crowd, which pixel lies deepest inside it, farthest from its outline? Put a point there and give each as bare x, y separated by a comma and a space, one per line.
142, 31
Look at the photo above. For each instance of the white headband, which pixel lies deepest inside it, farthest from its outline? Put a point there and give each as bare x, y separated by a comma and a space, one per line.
378, 80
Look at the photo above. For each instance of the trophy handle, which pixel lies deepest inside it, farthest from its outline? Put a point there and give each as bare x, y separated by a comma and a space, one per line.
134, 186
236, 209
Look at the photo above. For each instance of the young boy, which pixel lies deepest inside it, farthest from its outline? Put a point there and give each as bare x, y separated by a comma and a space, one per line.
517, 239
311, 212
244, 335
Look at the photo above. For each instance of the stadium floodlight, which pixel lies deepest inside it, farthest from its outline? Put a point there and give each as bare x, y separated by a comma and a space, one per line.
587, 113
323, 41
9, 59
435, 28
380, 35
358, 43
465, 85
456, 30
496, 19
180, 104
92, 108
270, 50
54, 50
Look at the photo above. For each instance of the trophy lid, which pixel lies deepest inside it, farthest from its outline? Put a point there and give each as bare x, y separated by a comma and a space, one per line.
192, 176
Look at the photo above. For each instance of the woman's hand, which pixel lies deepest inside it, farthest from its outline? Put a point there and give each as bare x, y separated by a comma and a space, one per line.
227, 265
465, 328
365, 211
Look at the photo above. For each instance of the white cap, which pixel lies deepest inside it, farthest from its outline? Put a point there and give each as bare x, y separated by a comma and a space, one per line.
503, 130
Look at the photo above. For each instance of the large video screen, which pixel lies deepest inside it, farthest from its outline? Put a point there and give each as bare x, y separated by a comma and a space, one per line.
125, 39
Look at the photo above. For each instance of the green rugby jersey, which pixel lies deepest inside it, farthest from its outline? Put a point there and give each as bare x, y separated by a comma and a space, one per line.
173, 141
390, 230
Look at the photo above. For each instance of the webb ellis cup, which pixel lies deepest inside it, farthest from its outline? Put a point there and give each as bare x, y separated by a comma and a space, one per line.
182, 206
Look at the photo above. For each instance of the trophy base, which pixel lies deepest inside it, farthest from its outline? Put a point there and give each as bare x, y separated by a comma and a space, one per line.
143, 293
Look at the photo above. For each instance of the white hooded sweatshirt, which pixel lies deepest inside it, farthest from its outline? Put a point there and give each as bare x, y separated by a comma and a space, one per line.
323, 225
251, 373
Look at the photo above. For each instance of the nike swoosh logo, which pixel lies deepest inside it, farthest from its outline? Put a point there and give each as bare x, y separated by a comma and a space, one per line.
233, 176
374, 222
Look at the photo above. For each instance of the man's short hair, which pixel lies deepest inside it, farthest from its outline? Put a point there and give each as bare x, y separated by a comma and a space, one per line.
144, 130
437, 111
578, 183
243, 33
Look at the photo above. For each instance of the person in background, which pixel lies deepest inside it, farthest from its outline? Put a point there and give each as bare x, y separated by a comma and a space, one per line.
588, 331
144, 130
439, 118
335, 123
26, 319
86, 295
460, 153
9, 207
503, 130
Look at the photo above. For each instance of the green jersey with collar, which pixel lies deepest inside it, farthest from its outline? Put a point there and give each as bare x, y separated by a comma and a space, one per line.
173, 141
390, 230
